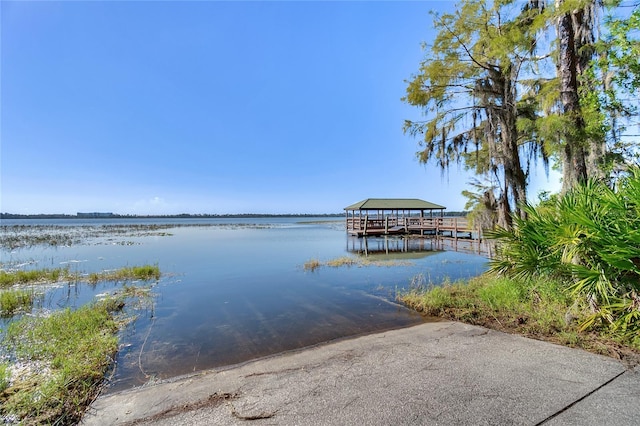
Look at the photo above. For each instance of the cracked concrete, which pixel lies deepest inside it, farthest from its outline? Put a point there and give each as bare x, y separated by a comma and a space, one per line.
441, 373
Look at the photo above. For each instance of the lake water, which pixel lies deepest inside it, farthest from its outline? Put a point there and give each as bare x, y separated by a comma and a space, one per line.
233, 290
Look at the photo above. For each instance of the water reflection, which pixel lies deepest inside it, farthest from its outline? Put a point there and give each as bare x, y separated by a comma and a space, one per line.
393, 247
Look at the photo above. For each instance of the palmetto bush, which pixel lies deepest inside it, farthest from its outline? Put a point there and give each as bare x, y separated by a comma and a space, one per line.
589, 239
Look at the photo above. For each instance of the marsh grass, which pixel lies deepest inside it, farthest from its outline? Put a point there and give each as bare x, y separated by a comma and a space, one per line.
342, 261
144, 273
346, 261
536, 308
57, 362
5, 376
15, 300
68, 353
48, 276
312, 265
8, 279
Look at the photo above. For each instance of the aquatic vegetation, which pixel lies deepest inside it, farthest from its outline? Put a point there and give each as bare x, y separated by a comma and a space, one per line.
5, 376
342, 261
11, 278
25, 236
144, 273
57, 361
339, 262
60, 361
12, 301
312, 265
47, 276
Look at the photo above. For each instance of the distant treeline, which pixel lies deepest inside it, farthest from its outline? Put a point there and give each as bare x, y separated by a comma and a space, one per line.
181, 216
172, 216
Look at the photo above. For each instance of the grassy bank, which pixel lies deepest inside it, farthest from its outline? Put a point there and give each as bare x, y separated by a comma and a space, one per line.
61, 361
536, 308
54, 364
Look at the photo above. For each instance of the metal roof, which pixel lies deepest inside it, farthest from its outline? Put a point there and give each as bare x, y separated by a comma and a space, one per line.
394, 204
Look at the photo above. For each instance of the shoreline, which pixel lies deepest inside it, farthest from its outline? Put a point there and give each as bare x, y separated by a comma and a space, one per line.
442, 372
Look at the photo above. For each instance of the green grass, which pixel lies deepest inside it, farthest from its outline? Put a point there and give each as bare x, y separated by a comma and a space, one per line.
45, 276
537, 308
67, 352
347, 261
8, 279
12, 301
70, 352
5, 376
144, 273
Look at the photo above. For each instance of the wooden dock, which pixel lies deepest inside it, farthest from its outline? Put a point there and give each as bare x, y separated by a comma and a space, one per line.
452, 227
412, 218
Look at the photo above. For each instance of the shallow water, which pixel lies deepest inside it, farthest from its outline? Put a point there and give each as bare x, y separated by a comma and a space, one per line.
236, 289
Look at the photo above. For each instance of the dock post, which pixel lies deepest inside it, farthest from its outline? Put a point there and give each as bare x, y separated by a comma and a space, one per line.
455, 229
366, 221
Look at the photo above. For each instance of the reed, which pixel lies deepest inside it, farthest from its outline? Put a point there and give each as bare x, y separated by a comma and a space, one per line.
347, 261
8, 279
143, 273
15, 300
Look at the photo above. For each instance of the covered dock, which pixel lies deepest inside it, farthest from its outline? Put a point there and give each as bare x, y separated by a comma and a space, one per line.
389, 216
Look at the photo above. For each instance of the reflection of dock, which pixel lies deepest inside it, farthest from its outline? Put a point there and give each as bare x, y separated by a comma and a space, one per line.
396, 247
414, 247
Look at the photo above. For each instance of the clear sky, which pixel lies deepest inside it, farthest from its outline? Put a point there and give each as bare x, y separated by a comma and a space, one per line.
163, 107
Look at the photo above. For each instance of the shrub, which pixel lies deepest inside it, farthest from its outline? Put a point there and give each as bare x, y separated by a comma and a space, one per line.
589, 239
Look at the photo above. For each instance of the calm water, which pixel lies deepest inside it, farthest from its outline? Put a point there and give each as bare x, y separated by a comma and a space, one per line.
236, 290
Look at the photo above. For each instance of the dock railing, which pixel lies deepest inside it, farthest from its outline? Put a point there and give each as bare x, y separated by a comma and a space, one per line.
450, 232
454, 227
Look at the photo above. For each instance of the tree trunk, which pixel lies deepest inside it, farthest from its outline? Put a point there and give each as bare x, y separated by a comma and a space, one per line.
574, 161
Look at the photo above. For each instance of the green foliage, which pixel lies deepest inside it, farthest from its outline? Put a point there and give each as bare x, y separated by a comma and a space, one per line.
622, 46
590, 239
72, 350
144, 273
8, 279
502, 294
5, 376
491, 90
533, 307
12, 301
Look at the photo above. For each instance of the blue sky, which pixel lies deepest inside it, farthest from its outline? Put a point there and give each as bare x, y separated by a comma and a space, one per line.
213, 107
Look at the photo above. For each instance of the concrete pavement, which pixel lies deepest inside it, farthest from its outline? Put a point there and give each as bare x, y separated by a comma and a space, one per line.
442, 373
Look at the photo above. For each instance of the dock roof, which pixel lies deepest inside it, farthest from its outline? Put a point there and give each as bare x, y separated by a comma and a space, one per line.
394, 204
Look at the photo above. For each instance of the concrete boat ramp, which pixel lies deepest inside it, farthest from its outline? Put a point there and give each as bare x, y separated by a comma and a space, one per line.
442, 373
